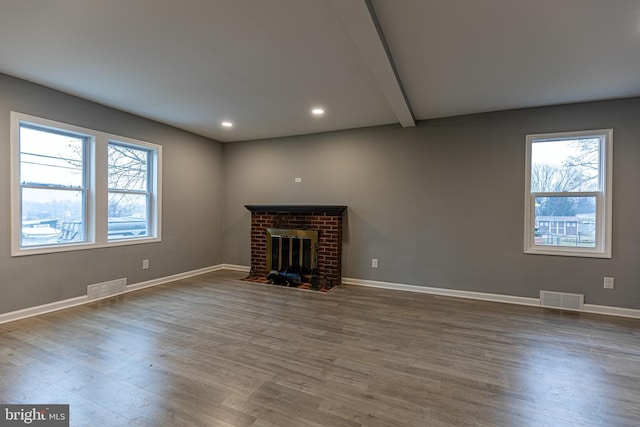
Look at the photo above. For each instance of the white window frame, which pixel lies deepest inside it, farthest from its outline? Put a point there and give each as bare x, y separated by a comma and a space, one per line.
603, 197
96, 215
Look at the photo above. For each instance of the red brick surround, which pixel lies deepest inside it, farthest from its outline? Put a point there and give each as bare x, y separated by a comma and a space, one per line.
326, 219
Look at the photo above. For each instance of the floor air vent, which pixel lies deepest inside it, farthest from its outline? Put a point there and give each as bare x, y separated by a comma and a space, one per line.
561, 300
106, 289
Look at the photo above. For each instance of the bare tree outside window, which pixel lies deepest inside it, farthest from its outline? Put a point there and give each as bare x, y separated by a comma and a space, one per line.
565, 166
128, 169
128, 172
48, 213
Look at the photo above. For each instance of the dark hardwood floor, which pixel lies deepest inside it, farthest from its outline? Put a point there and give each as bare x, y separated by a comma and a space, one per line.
214, 351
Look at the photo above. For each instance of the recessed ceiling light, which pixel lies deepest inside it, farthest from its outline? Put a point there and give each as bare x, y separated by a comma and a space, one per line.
227, 124
317, 111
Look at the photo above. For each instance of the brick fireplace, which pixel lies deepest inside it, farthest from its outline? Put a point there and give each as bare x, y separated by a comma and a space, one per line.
326, 220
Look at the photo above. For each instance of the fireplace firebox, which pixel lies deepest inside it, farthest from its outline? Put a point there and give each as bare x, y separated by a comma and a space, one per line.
292, 248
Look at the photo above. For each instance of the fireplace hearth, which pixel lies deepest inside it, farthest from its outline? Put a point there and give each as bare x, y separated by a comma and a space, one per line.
302, 239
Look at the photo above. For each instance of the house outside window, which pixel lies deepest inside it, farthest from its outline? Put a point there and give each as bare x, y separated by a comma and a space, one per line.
568, 193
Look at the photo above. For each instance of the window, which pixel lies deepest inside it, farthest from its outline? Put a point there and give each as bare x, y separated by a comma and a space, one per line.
129, 190
75, 188
53, 184
568, 194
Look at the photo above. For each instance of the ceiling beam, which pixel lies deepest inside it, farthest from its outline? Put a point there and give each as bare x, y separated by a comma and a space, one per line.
361, 22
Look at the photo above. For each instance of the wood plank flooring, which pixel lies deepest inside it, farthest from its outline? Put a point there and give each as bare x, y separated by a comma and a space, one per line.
214, 351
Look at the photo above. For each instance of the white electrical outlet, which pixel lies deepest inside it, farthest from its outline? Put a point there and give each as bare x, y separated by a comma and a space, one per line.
374, 263
145, 264
298, 180
608, 282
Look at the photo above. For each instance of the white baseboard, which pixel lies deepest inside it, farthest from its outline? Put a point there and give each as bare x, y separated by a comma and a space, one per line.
42, 309
235, 267
72, 302
173, 278
611, 311
510, 299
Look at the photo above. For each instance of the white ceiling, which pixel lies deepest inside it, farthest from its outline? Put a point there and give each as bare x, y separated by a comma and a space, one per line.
264, 64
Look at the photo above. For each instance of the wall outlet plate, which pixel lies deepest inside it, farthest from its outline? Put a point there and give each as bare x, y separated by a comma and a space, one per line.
608, 283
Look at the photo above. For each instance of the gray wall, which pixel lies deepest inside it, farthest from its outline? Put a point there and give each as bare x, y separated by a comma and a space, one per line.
192, 199
441, 204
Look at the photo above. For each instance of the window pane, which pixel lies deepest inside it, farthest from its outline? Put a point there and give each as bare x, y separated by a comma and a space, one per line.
128, 215
50, 158
127, 168
565, 221
51, 216
565, 165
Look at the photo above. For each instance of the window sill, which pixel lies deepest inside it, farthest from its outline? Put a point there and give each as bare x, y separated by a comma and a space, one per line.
570, 252
81, 246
